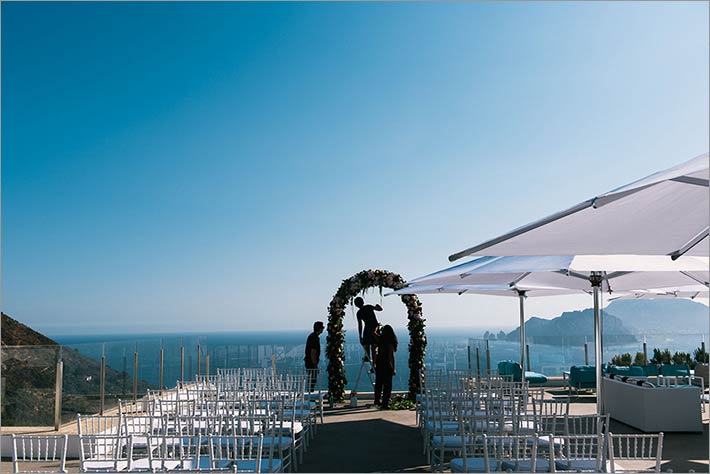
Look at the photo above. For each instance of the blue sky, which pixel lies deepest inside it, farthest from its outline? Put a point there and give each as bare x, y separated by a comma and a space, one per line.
212, 166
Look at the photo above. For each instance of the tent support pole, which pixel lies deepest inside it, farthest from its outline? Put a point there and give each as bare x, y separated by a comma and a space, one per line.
521, 297
596, 287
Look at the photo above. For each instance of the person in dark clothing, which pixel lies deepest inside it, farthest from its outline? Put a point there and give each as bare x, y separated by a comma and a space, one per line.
313, 353
368, 338
386, 367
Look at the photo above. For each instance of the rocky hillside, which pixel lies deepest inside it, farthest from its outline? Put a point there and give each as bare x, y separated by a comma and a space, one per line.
622, 322
573, 328
14, 333
662, 316
29, 376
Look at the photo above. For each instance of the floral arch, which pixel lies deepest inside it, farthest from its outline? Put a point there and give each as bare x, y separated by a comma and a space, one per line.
349, 289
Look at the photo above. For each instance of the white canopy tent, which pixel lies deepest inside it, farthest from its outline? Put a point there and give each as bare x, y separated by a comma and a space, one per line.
519, 291
666, 213
590, 273
690, 292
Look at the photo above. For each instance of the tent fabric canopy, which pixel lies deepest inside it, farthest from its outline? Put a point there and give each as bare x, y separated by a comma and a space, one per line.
495, 290
619, 273
666, 213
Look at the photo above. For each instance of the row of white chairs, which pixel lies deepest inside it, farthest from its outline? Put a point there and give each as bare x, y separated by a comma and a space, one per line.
168, 453
270, 411
578, 453
456, 411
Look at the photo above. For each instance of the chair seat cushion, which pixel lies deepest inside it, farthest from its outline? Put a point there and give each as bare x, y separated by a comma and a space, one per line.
452, 441
446, 426
541, 465
577, 465
247, 465
472, 465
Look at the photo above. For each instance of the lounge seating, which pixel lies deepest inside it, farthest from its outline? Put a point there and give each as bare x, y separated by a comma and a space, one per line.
632, 371
508, 368
675, 370
582, 377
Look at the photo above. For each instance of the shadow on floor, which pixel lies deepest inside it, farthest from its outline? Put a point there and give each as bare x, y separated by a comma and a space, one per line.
682, 452
373, 445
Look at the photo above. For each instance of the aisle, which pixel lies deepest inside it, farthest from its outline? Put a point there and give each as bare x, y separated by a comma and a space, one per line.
365, 439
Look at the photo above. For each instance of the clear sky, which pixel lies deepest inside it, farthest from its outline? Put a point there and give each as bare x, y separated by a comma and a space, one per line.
223, 166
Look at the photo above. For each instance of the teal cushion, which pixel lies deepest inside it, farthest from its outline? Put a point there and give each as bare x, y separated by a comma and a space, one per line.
633, 371
534, 378
583, 376
649, 370
510, 367
677, 370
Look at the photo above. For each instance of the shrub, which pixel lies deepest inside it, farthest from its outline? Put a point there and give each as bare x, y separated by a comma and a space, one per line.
661, 356
621, 359
683, 358
639, 359
700, 356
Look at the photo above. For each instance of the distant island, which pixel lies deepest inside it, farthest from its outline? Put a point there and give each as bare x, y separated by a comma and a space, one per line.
623, 321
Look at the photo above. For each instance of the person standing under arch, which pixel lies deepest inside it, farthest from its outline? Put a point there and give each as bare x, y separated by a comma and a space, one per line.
386, 367
368, 337
312, 356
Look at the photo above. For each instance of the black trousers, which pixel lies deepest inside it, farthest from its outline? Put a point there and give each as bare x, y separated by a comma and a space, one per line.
383, 386
312, 372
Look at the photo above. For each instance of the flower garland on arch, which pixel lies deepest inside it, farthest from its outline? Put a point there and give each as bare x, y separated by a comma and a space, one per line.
335, 340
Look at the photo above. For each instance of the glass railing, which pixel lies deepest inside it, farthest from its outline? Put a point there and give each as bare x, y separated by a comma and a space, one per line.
132, 366
29, 375
552, 355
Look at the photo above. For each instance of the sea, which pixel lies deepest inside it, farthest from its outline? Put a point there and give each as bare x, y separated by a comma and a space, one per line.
188, 354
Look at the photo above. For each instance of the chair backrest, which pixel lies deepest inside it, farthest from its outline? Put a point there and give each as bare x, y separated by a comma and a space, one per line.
143, 424
143, 406
516, 453
635, 447
235, 453
586, 424
104, 453
174, 453
107, 425
45, 449
581, 453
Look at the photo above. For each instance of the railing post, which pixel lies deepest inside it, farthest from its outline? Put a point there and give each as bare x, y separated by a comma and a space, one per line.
273, 364
198, 359
182, 362
102, 383
207, 365
160, 370
586, 354
123, 375
59, 380
527, 356
478, 364
645, 351
468, 353
135, 374
488, 357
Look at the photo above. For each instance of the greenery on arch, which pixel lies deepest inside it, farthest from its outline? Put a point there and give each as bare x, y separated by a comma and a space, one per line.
335, 340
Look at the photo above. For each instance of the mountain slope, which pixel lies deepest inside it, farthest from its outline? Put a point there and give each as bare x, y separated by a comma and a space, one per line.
573, 328
662, 315
29, 377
